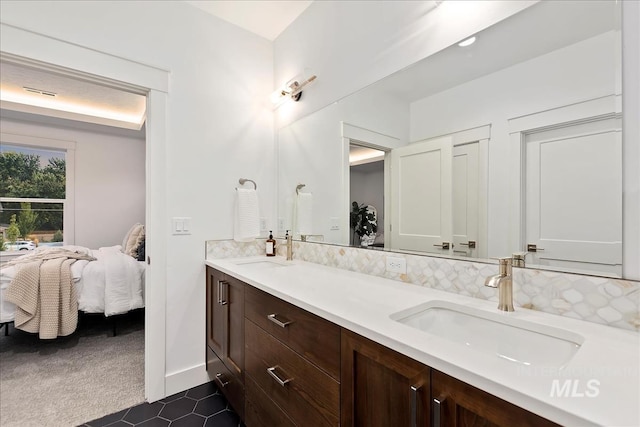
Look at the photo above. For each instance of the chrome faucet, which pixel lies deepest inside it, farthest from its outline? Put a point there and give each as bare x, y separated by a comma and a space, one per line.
289, 239
504, 282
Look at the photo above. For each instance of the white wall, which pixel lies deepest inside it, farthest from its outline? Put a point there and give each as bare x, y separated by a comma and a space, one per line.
218, 130
109, 179
576, 73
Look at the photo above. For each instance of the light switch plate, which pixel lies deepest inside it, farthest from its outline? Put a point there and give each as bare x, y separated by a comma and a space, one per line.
180, 225
263, 224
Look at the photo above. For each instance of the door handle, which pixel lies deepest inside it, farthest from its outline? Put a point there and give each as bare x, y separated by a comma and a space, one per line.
221, 292
533, 248
415, 389
471, 244
444, 245
437, 405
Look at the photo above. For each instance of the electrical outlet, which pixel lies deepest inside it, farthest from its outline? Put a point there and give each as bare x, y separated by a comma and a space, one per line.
335, 223
396, 265
280, 224
263, 224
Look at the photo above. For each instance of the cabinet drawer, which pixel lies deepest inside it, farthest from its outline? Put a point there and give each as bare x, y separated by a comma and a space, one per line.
261, 411
306, 394
228, 383
314, 338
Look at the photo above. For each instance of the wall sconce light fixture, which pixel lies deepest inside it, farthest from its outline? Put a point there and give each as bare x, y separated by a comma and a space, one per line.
291, 90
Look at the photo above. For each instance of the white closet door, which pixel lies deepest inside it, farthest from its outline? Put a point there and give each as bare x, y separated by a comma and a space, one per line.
421, 188
465, 198
573, 210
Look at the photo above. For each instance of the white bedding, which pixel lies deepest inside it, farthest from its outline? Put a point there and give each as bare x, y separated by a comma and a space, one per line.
112, 284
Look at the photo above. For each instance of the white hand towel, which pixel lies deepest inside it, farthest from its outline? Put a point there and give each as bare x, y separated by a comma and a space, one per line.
304, 213
246, 225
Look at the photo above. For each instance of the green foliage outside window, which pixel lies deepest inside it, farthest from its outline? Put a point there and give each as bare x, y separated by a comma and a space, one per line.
23, 175
27, 220
57, 236
13, 232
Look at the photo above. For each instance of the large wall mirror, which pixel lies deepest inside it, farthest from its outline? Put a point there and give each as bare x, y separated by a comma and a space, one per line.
511, 144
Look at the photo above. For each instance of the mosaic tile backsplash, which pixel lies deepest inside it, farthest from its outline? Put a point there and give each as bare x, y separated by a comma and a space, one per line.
612, 302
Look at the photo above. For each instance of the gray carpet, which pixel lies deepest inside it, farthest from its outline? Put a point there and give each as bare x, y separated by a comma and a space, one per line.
74, 379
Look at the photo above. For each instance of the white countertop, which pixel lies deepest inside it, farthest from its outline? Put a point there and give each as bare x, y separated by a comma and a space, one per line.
604, 373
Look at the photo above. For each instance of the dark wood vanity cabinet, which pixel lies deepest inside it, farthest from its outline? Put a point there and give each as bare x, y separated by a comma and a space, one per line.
279, 365
381, 388
457, 404
225, 335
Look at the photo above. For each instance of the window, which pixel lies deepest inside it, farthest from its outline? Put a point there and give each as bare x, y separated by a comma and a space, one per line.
36, 191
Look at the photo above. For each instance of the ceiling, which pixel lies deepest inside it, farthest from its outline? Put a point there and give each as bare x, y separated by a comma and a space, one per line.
262, 17
510, 42
29, 89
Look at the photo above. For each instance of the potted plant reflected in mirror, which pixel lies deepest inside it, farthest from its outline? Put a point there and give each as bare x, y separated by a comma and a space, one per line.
364, 222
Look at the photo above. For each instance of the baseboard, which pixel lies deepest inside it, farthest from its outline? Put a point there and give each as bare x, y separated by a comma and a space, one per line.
186, 379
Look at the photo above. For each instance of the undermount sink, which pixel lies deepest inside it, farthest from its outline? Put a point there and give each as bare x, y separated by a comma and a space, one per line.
499, 334
261, 263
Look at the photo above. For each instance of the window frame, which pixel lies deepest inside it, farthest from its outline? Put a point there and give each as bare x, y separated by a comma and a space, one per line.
68, 203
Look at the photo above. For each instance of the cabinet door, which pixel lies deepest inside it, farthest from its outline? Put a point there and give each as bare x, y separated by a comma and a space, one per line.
381, 388
216, 312
456, 403
233, 294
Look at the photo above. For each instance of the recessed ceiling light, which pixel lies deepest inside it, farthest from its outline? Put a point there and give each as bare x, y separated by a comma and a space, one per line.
467, 42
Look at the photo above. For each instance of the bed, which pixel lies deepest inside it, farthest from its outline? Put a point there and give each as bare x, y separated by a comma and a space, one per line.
108, 280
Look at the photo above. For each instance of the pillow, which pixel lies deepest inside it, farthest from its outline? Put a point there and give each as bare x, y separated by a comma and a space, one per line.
133, 240
126, 236
139, 250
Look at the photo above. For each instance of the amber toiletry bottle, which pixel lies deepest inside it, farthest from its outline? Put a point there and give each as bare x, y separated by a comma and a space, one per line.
271, 245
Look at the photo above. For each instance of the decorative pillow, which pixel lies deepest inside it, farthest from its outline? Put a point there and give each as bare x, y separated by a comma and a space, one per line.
126, 236
139, 251
133, 240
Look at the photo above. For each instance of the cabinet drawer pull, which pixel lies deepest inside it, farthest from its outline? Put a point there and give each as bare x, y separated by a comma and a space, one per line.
414, 405
438, 404
220, 379
277, 321
272, 372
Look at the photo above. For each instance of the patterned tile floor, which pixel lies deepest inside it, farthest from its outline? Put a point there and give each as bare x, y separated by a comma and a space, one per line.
202, 406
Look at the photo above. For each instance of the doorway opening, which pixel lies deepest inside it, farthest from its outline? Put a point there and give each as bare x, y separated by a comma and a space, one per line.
96, 142
366, 195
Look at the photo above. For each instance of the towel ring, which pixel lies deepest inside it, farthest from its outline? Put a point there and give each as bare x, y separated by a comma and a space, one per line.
298, 187
243, 180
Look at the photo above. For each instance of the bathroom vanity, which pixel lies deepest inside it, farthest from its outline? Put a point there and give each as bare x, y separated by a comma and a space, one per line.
297, 343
